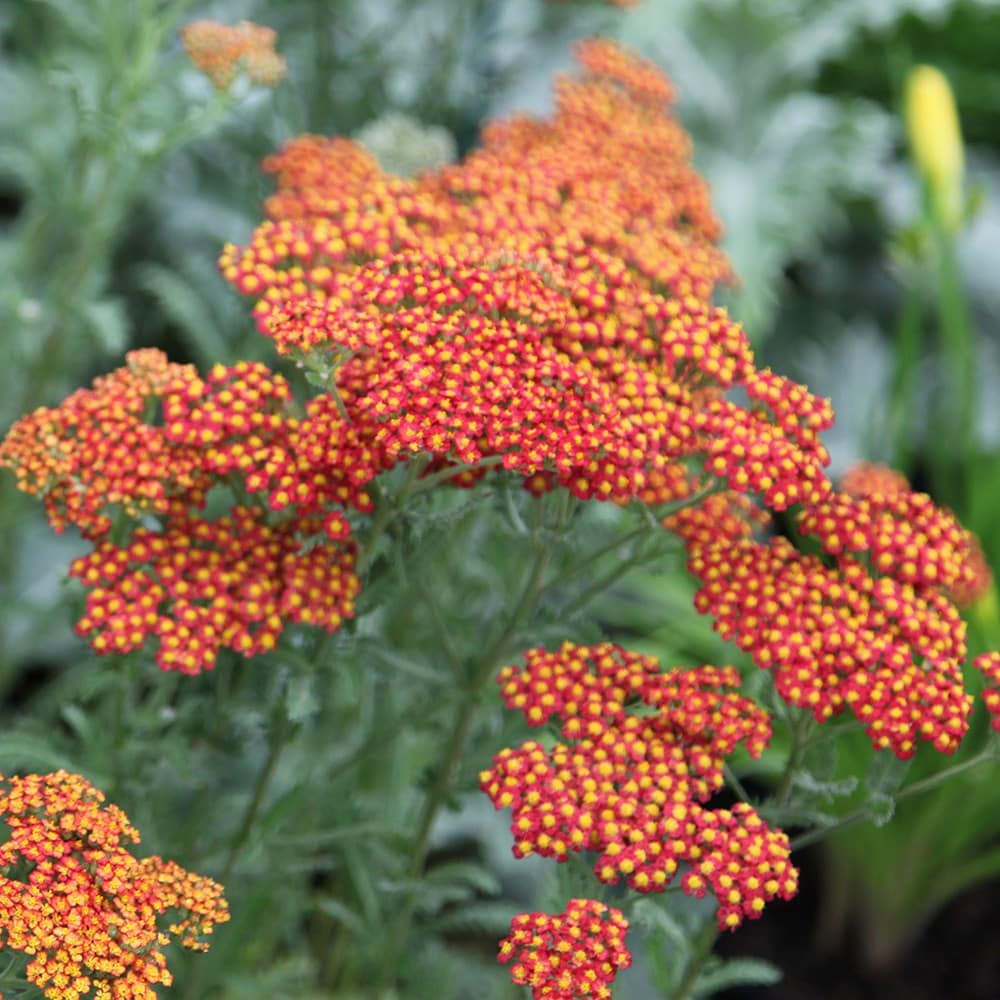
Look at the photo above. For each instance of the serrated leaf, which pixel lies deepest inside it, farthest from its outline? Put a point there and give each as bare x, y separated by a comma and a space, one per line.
22, 750
466, 872
77, 720
479, 917
654, 918
342, 913
827, 790
186, 309
737, 972
886, 773
881, 808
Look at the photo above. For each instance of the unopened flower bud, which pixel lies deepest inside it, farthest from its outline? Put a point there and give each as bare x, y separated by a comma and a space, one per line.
936, 142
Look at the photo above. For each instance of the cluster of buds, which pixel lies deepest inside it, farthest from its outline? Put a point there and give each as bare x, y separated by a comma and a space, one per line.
93, 918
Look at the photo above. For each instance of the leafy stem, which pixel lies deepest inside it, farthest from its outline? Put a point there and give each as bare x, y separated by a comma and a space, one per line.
462, 726
801, 725
281, 733
988, 754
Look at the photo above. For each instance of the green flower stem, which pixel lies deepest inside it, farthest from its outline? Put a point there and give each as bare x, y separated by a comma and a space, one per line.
601, 585
988, 755
954, 440
801, 726
700, 954
442, 475
468, 708
280, 737
387, 510
735, 784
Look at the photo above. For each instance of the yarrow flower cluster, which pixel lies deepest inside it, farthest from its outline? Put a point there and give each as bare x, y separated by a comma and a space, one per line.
222, 52
573, 955
872, 627
93, 918
631, 785
152, 439
988, 664
543, 303
201, 585
542, 308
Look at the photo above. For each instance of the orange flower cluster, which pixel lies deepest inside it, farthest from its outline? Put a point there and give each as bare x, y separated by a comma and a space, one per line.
631, 786
238, 421
202, 585
574, 955
868, 479
222, 52
154, 438
835, 636
543, 303
94, 918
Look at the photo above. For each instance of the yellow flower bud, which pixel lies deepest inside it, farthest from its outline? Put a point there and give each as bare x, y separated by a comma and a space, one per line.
936, 141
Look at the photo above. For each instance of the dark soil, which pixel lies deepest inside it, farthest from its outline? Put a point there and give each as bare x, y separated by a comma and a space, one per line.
956, 957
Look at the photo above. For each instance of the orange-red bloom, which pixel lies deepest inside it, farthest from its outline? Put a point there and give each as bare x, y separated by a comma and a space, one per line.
988, 664
93, 918
631, 787
97, 450
573, 955
544, 302
201, 585
222, 52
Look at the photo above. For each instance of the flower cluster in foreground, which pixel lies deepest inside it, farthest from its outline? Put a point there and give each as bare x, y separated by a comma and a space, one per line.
93, 918
870, 625
198, 584
644, 752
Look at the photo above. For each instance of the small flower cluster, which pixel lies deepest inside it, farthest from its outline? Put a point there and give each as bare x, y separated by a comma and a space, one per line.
837, 637
573, 955
872, 625
96, 449
631, 786
222, 52
90, 915
929, 545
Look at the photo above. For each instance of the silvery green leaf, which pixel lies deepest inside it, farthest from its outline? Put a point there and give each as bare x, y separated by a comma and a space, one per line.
736, 972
